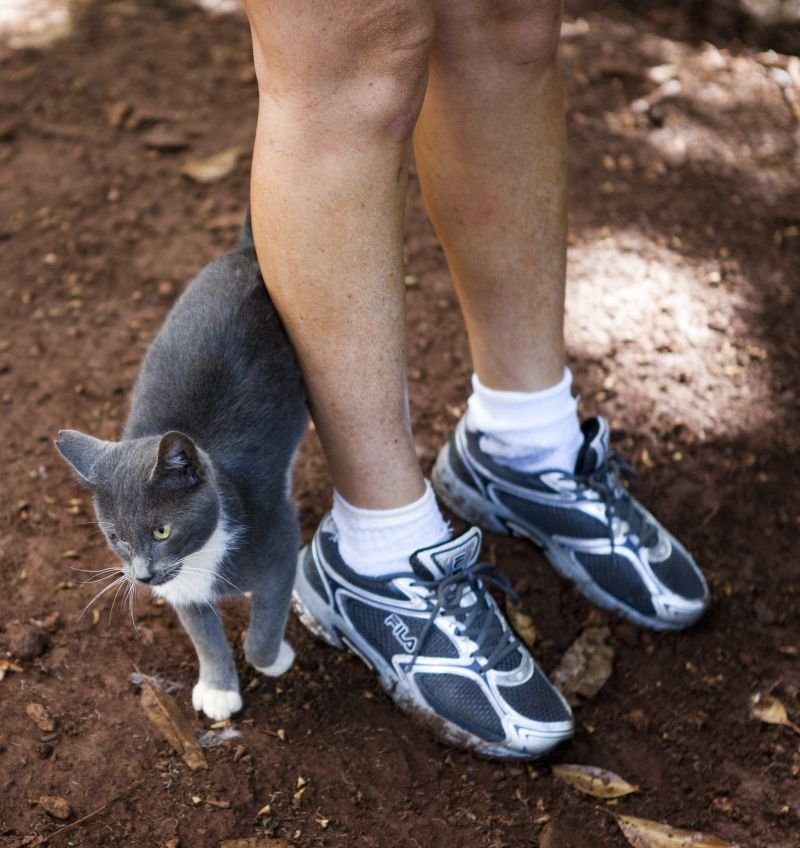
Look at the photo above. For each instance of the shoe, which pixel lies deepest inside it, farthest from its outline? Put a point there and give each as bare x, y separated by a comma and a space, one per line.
440, 645
590, 527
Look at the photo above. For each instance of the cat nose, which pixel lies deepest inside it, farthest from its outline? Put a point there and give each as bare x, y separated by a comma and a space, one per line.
141, 570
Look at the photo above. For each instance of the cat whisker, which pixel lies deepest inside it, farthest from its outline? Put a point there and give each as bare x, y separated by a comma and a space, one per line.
113, 602
131, 597
190, 570
100, 579
89, 570
99, 595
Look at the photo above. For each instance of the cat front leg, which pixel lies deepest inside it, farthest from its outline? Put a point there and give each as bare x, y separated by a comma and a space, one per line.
216, 693
265, 647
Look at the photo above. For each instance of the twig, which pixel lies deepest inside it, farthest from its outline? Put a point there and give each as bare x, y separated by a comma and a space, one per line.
46, 837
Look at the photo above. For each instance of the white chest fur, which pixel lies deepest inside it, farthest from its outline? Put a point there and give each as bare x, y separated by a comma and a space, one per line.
195, 582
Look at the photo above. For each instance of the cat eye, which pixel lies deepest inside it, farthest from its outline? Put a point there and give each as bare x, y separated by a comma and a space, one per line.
162, 532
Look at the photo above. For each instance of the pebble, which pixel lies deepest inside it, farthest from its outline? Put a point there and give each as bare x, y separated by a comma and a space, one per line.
26, 642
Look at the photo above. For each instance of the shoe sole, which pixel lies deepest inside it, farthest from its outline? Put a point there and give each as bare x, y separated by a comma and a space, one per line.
472, 507
317, 617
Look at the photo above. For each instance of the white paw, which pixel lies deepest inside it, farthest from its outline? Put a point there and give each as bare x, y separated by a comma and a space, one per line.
283, 662
218, 704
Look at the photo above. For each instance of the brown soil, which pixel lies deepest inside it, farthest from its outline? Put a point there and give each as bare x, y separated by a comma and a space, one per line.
683, 326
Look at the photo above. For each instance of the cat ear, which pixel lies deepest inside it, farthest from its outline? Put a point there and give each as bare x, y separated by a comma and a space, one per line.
81, 452
178, 461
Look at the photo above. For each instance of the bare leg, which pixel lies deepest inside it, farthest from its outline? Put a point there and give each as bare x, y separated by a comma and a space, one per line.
490, 150
340, 87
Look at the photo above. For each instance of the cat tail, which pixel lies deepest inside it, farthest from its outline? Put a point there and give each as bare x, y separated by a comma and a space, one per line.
246, 233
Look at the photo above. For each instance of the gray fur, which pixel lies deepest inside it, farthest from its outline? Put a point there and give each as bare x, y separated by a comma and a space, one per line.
217, 415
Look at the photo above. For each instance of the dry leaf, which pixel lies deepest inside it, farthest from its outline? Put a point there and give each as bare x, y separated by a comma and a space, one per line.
56, 806
254, 842
165, 714
212, 168
161, 138
770, 710
39, 715
521, 623
586, 665
642, 833
593, 781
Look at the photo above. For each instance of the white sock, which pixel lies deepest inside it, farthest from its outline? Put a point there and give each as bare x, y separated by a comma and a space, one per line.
374, 542
528, 431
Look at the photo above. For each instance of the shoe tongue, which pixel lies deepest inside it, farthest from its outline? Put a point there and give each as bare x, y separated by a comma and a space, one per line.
594, 450
440, 560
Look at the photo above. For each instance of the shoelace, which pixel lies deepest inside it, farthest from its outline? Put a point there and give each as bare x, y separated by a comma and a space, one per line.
607, 481
477, 618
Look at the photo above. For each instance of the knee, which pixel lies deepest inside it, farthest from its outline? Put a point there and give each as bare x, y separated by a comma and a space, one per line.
520, 32
366, 66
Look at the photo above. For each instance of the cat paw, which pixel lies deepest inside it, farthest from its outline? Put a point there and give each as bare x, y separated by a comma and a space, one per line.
218, 704
282, 663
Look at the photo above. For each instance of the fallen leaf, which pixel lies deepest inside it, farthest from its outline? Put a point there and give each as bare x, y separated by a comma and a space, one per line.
593, 781
165, 714
642, 833
254, 842
770, 710
212, 168
56, 806
521, 623
164, 139
41, 717
586, 665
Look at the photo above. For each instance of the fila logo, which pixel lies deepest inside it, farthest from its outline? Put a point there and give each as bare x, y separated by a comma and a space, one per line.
400, 630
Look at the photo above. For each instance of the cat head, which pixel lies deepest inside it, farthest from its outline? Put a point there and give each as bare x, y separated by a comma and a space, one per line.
156, 502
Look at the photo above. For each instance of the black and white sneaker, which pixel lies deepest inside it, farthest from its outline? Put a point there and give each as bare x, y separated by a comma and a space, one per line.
591, 528
439, 643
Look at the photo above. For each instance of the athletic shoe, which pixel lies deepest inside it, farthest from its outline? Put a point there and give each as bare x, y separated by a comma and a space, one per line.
440, 645
590, 527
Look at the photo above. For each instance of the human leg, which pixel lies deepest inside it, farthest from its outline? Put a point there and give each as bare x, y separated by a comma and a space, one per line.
490, 151
340, 87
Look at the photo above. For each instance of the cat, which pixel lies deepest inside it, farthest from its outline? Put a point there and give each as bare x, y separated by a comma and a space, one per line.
195, 498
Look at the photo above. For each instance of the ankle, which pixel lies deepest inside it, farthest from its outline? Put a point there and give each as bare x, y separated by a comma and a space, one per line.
528, 431
375, 542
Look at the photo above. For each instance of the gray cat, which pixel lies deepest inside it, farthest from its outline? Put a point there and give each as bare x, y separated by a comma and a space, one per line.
195, 498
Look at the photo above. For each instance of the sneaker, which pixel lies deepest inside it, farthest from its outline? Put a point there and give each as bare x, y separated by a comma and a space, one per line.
440, 645
590, 527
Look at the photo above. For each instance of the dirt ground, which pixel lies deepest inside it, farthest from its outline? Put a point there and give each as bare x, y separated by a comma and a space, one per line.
683, 330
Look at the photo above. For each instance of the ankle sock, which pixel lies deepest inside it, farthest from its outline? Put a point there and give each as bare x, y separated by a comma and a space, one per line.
375, 542
528, 431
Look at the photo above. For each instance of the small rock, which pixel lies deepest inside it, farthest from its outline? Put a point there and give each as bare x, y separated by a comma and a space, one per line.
52, 622
638, 719
25, 641
627, 634
117, 113
56, 806
40, 717
560, 834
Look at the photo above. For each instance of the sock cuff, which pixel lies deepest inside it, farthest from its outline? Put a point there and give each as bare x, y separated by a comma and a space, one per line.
360, 518
497, 412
